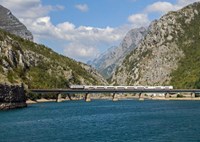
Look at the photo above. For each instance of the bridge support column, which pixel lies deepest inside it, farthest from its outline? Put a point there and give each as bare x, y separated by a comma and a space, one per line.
141, 97
87, 97
59, 98
192, 95
68, 97
115, 97
137, 95
167, 95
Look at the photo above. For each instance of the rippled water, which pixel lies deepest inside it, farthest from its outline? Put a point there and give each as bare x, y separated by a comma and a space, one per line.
103, 121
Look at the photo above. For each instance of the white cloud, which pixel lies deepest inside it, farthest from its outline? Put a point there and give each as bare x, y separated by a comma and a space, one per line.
183, 3
68, 31
139, 20
161, 7
83, 52
66, 26
82, 7
164, 7
21, 3
29, 8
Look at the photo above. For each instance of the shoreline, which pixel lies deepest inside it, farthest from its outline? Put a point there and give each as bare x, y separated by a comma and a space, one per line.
120, 98
40, 101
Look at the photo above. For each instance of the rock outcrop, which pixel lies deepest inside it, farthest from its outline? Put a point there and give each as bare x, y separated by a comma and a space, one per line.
11, 24
166, 53
12, 97
107, 63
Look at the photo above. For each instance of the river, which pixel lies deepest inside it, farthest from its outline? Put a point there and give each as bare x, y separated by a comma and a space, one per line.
103, 121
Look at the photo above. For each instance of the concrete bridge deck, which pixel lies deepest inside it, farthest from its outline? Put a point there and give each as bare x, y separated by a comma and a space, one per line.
115, 92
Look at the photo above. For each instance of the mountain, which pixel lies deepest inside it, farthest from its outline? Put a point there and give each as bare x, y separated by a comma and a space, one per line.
107, 62
168, 55
40, 67
11, 24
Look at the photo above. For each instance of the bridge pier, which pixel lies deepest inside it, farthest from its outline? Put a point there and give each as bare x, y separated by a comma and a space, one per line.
115, 97
167, 95
137, 95
87, 97
141, 97
68, 97
192, 95
59, 98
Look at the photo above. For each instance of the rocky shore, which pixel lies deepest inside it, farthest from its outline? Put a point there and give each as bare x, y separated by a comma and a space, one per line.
12, 97
6, 106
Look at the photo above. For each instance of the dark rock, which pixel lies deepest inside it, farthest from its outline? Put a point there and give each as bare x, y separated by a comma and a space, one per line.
12, 97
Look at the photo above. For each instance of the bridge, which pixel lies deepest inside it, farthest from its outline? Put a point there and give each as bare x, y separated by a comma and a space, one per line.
114, 92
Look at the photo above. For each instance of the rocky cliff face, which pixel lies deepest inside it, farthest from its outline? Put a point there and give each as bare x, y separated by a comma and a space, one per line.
107, 62
10, 23
39, 67
166, 53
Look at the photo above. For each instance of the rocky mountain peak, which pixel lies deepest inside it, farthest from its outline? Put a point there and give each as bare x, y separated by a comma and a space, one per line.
11, 24
107, 62
133, 36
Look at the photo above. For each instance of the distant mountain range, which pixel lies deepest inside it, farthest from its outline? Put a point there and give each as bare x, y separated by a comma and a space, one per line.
107, 62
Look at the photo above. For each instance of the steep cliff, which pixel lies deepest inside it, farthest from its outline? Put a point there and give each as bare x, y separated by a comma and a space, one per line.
39, 67
11, 24
107, 62
169, 53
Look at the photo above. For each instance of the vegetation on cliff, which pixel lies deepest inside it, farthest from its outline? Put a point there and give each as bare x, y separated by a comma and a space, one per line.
187, 75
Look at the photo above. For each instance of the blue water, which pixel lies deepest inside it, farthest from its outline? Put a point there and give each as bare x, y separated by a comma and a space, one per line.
103, 121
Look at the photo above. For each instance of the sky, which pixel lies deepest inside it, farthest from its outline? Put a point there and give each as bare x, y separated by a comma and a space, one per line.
83, 29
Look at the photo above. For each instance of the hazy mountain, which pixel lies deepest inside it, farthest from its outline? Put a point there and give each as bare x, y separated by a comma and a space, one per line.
107, 62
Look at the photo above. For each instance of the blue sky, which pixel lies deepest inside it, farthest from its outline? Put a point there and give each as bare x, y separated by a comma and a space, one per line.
99, 14
83, 29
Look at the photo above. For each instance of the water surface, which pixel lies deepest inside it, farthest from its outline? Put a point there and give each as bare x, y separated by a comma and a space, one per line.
103, 121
